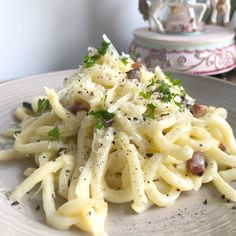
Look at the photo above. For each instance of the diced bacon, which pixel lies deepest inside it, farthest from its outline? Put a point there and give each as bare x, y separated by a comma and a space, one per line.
76, 107
197, 110
138, 64
134, 74
222, 147
197, 164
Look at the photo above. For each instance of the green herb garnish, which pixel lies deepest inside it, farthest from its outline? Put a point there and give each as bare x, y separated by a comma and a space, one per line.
176, 82
43, 106
124, 60
164, 88
102, 117
103, 50
54, 133
179, 104
89, 61
151, 110
170, 77
146, 95
151, 84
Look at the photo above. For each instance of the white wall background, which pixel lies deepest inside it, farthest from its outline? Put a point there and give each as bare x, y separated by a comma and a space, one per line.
39, 36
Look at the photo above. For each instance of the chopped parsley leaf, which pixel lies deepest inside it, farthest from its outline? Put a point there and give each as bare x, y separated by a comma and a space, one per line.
89, 61
179, 104
164, 88
103, 50
103, 118
124, 60
151, 84
43, 106
176, 82
54, 133
151, 109
146, 95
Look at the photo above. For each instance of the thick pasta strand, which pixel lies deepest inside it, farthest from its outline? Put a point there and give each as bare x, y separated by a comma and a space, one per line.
82, 155
10, 154
228, 175
156, 132
21, 114
64, 178
53, 218
176, 180
137, 179
159, 198
221, 124
38, 175
211, 171
57, 107
224, 188
221, 157
99, 165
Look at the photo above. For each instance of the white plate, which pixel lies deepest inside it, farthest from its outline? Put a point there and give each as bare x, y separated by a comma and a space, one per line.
189, 216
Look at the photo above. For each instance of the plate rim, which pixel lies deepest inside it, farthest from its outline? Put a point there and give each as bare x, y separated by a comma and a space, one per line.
29, 77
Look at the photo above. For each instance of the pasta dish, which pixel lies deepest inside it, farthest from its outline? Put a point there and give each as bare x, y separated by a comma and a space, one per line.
116, 133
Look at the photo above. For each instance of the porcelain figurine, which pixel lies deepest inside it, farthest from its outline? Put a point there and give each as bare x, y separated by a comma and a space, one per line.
179, 21
222, 7
178, 39
233, 21
150, 11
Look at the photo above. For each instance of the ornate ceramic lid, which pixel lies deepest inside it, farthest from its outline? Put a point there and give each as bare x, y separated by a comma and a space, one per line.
212, 34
